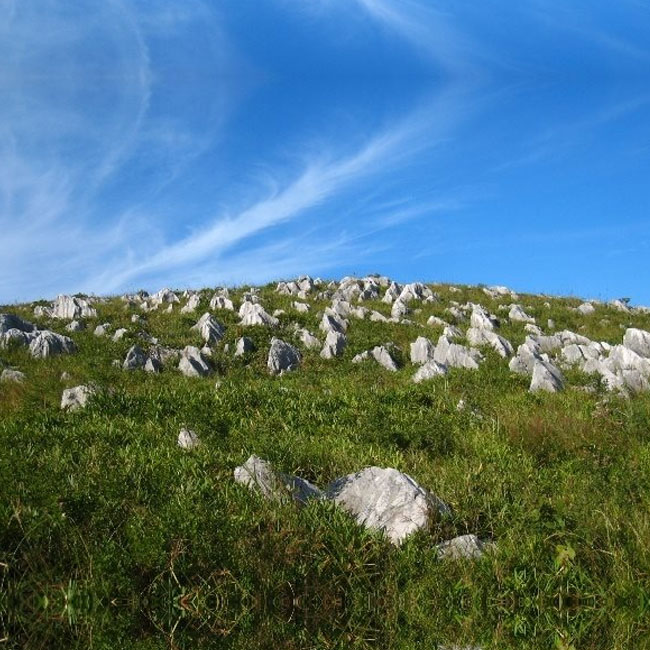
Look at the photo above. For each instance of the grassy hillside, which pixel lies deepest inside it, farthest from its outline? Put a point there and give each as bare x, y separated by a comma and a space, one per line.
111, 536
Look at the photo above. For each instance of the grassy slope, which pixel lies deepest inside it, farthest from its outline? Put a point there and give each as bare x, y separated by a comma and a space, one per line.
111, 536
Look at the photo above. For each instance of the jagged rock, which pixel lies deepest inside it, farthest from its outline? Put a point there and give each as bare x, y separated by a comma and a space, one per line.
191, 305
244, 345
376, 316
416, 291
482, 319
188, 439
75, 326
527, 353
332, 323
619, 305
48, 344
387, 500
362, 356
456, 356
307, 338
429, 370
210, 329
76, 398
258, 474
301, 307
152, 365
383, 357
497, 292
638, 341
452, 332
465, 546
102, 330
192, 363
422, 350
499, 344
254, 314
69, 308
533, 329
518, 314
42, 312
334, 345
14, 376
392, 293
221, 301
457, 313
586, 308
283, 357
546, 377
135, 359
399, 309
119, 334
164, 296
12, 322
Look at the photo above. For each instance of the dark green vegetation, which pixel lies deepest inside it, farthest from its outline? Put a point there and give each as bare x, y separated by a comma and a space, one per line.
113, 537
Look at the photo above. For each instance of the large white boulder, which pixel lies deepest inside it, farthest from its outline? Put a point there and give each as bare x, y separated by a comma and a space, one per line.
385, 499
334, 345
546, 377
70, 308
48, 344
422, 350
193, 363
252, 313
210, 329
283, 357
638, 341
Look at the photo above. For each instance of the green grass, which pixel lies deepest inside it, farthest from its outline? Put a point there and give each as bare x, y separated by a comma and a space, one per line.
113, 537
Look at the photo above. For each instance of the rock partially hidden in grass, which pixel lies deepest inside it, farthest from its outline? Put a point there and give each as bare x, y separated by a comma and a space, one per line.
135, 358
429, 370
210, 329
254, 314
188, 439
76, 398
244, 345
258, 474
283, 357
334, 345
384, 358
49, 344
455, 355
386, 499
192, 363
14, 376
546, 377
422, 350
465, 546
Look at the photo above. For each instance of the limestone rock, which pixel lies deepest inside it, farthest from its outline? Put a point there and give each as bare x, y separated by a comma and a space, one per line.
119, 334
210, 329
422, 350
258, 474
638, 341
75, 326
14, 376
499, 344
517, 314
307, 338
48, 344
384, 358
70, 308
254, 314
586, 308
429, 370
546, 377
12, 322
188, 439
191, 305
465, 546
482, 319
221, 301
244, 345
387, 500
76, 398
102, 330
333, 323
301, 307
192, 363
456, 356
283, 357
135, 359
334, 345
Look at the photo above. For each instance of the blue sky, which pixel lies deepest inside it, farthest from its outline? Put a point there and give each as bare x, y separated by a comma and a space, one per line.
188, 144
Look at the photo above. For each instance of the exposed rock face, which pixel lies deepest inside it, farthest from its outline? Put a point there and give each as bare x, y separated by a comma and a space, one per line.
586, 308
399, 309
76, 398
482, 319
499, 344
210, 329
69, 308
14, 376
429, 370
254, 314
387, 500
188, 439
307, 338
135, 359
75, 326
221, 301
283, 357
416, 291
49, 344
383, 357
258, 474
192, 304
12, 322
518, 314
334, 345
244, 345
192, 363
164, 296
465, 546
392, 293
333, 323
422, 350
301, 307
546, 377
456, 356
638, 341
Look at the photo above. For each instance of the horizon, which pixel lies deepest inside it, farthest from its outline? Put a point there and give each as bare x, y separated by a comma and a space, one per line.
161, 145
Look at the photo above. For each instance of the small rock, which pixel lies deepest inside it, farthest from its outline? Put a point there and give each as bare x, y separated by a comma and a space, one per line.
244, 345
119, 334
429, 370
10, 375
76, 398
188, 439
75, 326
465, 546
